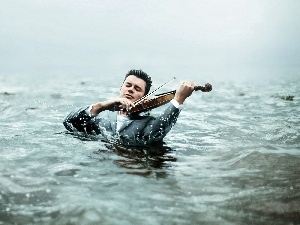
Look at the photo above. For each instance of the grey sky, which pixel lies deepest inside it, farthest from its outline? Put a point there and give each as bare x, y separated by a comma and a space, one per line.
217, 38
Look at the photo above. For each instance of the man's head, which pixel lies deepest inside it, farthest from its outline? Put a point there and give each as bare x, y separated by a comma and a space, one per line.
142, 75
136, 84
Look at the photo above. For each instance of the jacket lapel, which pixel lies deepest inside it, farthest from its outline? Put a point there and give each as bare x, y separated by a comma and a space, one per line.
113, 121
125, 124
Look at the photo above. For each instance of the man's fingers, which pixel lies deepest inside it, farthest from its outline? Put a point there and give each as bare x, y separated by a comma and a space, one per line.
187, 83
125, 103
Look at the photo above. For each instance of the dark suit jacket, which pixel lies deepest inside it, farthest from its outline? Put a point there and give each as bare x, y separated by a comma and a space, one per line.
139, 130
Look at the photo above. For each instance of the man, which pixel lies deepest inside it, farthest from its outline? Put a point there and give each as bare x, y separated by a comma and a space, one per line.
132, 130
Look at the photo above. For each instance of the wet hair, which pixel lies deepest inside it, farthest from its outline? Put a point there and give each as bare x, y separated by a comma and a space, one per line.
142, 75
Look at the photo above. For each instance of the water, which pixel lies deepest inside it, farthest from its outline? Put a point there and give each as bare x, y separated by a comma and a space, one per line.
232, 158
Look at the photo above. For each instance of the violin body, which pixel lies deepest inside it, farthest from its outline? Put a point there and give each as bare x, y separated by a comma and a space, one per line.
152, 103
161, 99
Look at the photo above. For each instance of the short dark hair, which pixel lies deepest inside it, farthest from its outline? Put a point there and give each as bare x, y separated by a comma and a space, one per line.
142, 75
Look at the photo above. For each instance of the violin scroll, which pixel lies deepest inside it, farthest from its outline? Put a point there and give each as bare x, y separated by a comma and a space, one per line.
206, 88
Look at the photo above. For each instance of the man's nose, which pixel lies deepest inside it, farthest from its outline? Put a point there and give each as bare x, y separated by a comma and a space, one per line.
130, 89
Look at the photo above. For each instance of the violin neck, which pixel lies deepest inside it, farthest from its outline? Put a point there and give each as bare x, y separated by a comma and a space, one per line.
206, 88
199, 88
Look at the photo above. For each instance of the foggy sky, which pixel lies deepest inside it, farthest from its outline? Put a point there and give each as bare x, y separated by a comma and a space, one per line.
163, 37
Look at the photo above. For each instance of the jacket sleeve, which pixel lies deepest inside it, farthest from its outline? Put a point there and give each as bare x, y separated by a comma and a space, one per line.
80, 120
157, 128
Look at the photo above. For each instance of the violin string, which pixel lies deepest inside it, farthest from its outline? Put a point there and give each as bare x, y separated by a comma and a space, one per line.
141, 99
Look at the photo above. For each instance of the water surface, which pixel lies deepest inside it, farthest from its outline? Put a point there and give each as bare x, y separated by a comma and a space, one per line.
232, 158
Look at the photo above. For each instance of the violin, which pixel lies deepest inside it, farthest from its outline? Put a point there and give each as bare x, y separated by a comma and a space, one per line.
160, 99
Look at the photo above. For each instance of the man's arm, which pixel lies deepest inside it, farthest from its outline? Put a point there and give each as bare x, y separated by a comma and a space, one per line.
83, 119
158, 128
77, 120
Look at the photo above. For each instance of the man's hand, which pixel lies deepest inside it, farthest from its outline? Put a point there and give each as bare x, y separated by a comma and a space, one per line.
185, 89
112, 104
123, 103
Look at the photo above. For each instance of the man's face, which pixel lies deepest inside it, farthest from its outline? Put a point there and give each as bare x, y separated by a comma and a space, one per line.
133, 88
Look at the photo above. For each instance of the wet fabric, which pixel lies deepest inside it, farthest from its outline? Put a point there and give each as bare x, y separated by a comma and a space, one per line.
137, 130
